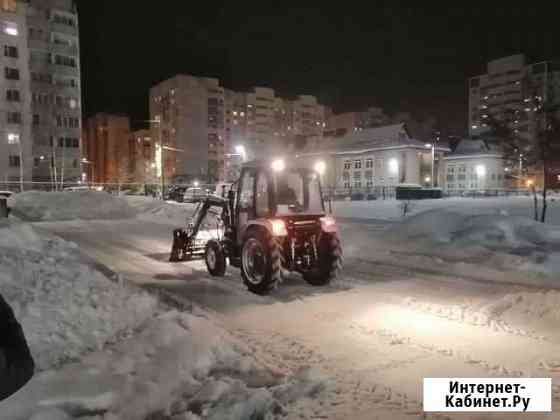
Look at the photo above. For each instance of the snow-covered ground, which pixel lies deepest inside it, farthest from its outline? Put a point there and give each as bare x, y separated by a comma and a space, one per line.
65, 305
443, 292
392, 209
84, 205
108, 350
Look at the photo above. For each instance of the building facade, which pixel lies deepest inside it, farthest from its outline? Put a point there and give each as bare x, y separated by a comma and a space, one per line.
475, 165
108, 157
142, 150
41, 103
338, 125
203, 125
506, 91
190, 111
15, 96
373, 158
54, 66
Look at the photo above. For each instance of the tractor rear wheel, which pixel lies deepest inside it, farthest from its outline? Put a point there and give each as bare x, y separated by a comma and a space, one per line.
330, 261
261, 262
215, 258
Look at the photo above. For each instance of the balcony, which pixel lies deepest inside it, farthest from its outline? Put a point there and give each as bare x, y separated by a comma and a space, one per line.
64, 70
38, 44
65, 49
64, 29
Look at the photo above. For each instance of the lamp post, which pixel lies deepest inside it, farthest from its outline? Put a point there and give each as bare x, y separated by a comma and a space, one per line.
432, 146
92, 168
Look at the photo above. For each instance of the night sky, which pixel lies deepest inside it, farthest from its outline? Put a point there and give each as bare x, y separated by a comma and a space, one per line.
412, 58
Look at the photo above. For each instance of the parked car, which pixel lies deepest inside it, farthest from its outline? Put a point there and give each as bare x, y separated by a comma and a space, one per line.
176, 194
10, 199
193, 193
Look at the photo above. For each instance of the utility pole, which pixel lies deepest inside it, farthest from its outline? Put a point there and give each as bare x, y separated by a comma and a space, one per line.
21, 171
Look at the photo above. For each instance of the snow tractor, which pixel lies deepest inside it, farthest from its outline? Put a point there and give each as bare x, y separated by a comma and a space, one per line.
271, 223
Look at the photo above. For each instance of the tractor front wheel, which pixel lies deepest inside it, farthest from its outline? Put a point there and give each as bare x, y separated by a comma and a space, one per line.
261, 262
330, 261
215, 258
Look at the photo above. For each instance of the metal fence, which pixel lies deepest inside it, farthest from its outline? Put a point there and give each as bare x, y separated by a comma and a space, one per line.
174, 191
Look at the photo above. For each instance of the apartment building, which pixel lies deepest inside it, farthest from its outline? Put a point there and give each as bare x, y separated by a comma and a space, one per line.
40, 101
307, 116
54, 66
190, 111
108, 156
201, 123
15, 95
506, 91
338, 125
142, 150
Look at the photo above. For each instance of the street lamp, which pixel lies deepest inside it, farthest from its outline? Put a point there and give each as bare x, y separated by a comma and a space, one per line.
91, 164
240, 150
320, 167
278, 165
480, 170
393, 166
432, 146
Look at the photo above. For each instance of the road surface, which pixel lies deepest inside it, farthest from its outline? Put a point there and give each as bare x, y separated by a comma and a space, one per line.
376, 333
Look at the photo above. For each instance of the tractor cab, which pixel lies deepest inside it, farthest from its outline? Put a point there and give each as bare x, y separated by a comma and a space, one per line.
276, 192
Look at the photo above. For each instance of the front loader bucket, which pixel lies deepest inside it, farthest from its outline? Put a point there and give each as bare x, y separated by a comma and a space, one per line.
179, 246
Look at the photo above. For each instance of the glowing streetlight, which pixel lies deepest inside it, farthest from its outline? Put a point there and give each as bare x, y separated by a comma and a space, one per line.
480, 170
320, 167
427, 179
393, 166
278, 165
196, 184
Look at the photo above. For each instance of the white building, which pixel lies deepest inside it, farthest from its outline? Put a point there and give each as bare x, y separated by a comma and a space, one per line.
475, 165
374, 158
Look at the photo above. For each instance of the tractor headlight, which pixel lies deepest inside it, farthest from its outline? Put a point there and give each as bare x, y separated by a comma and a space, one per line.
278, 165
328, 224
278, 227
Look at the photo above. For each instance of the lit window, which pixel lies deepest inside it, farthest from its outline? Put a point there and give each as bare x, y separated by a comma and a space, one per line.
11, 28
235, 113
13, 138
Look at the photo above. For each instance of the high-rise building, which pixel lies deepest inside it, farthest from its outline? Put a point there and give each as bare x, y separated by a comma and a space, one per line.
41, 89
190, 111
15, 94
338, 125
143, 157
202, 125
108, 157
505, 91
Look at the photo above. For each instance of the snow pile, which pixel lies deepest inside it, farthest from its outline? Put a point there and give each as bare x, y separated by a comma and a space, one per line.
177, 365
65, 306
496, 231
497, 241
87, 205
391, 210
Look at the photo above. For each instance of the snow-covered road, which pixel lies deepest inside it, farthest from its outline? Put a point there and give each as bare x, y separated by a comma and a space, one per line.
377, 332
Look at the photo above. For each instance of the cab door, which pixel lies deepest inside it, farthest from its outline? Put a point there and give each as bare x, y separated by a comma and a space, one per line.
245, 201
